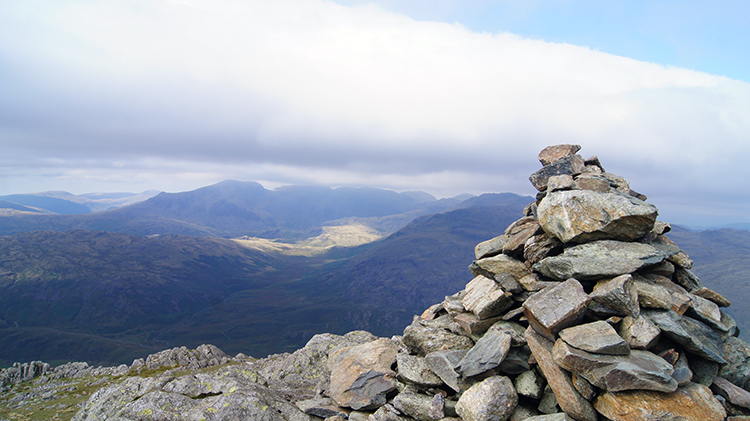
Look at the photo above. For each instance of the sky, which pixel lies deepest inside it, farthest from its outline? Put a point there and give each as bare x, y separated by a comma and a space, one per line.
442, 96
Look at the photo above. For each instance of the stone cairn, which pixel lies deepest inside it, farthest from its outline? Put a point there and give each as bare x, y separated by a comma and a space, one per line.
583, 309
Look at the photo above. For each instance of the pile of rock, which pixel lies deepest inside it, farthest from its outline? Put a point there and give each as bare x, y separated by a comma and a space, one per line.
583, 309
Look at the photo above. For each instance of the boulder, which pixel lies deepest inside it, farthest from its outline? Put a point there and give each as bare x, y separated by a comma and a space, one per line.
737, 369
555, 308
503, 263
599, 259
494, 398
618, 294
443, 364
569, 399
693, 335
361, 375
571, 165
486, 354
552, 154
597, 337
422, 340
691, 402
638, 370
585, 215
414, 369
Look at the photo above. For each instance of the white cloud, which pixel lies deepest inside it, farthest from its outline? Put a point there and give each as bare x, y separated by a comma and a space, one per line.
342, 95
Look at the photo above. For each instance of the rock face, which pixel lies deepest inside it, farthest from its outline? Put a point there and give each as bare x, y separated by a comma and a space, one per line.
581, 310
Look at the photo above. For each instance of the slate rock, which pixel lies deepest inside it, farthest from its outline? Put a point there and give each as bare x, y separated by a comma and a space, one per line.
691, 402
503, 263
706, 311
585, 215
599, 259
704, 371
597, 337
614, 373
737, 369
570, 401
517, 360
485, 298
540, 246
494, 398
388, 413
321, 407
560, 416
548, 403
194, 359
560, 182
693, 335
422, 340
731, 392
414, 369
583, 386
618, 294
555, 308
443, 364
593, 182
552, 154
659, 292
486, 354
415, 405
638, 332
361, 375
713, 296
471, 324
530, 384
571, 165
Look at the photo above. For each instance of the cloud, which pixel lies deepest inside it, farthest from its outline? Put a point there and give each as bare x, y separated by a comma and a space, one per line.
295, 91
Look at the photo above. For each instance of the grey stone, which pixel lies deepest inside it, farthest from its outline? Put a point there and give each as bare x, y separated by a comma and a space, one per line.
731, 326
540, 246
523, 411
388, 413
597, 337
491, 247
693, 335
486, 354
686, 279
583, 386
361, 375
570, 401
638, 370
517, 360
492, 399
618, 294
599, 259
713, 296
548, 403
321, 407
422, 340
452, 304
201, 357
639, 332
659, 292
682, 373
437, 407
593, 182
485, 298
560, 182
585, 215
556, 308
707, 312
508, 283
443, 363
530, 384
514, 329
552, 154
471, 324
559, 416
532, 283
503, 263
704, 371
415, 405
737, 369
571, 165
414, 369
731, 392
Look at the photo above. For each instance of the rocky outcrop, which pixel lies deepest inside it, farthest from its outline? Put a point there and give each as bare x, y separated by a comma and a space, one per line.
581, 310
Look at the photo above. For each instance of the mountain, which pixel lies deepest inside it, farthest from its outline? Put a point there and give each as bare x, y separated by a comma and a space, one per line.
235, 208
82, 294
64, 203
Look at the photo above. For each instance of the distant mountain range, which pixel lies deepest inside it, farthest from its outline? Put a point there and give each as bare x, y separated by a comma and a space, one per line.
64, 203
107, 287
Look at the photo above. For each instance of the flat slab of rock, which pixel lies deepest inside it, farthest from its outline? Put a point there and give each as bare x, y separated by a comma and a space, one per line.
585, 215
659, 292
555, 308
486, 354
731, 392
614, 373
570, 165
693, 335
443, 364
597, 337
737, 369
639, 332
691, 402
494, 398
618, 294
414, 369
599, 259
503, 263
570, 401
361, 375
712, 295
553, 153
321, 407
422, 340
485, 298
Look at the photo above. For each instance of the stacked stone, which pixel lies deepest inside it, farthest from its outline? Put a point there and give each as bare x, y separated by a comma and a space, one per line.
583, 309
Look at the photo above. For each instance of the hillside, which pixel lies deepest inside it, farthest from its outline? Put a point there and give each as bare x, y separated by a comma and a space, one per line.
235, 208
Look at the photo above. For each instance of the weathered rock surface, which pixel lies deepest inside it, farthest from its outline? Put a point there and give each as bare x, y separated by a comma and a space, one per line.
422, 340
555, 308
494, 398
689, 403
552, 154
618, 294
361, 375
695, 336
486, 354
639, 332
486, 298
599, 259
571, 165
597, 337
585, 215
414, 369
615, 373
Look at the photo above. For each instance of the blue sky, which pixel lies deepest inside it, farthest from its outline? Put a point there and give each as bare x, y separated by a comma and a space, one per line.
444, 96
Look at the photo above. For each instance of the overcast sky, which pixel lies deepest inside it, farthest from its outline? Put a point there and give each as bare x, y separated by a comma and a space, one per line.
444, 96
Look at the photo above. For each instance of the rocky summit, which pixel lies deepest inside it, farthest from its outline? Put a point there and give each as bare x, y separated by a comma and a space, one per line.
583, 309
